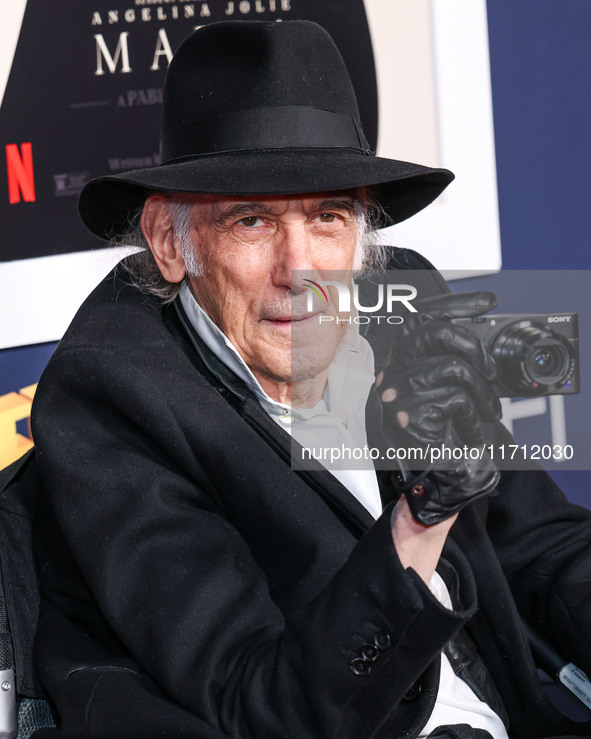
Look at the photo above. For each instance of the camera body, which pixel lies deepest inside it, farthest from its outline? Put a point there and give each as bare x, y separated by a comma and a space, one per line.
536, 354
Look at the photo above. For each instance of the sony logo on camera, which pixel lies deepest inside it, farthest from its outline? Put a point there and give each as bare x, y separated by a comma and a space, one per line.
533, 359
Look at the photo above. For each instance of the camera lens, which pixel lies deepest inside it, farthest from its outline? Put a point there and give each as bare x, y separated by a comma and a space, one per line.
548, 361
547, 364
542, 359
531, 358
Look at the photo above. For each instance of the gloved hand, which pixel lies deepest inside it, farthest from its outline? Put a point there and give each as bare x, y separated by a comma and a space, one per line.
435, 392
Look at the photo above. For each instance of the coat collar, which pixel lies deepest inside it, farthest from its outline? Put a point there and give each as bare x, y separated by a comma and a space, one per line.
352, 513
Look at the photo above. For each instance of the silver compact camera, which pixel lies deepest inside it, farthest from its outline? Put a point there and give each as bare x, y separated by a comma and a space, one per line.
536, 354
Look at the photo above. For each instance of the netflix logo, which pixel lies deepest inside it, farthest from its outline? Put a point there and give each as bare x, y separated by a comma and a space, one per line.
20, 173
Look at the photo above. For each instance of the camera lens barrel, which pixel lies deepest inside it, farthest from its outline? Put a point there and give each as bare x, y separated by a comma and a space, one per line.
532, 359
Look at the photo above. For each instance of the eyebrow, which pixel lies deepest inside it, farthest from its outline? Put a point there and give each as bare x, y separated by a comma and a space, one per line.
246, 209
242, 209
336, 204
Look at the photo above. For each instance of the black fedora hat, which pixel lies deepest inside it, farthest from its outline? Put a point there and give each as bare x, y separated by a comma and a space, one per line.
260, 108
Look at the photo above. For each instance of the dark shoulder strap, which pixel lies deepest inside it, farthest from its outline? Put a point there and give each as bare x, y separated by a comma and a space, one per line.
415, 271
432, 282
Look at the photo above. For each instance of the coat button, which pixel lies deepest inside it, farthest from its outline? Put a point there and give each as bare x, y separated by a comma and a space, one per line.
360, 667
369, 652
382, 640
413, 692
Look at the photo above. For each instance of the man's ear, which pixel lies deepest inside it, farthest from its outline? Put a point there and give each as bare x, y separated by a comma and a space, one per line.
158, 231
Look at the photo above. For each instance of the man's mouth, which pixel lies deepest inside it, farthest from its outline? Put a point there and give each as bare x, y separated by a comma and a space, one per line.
291, 319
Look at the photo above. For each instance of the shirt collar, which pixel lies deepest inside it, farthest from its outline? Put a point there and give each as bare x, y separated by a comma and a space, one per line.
350, 376
339, 417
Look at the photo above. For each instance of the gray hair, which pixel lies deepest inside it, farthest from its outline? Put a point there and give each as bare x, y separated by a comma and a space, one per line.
141, 271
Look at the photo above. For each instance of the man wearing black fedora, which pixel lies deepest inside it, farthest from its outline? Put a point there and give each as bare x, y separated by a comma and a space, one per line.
193, 583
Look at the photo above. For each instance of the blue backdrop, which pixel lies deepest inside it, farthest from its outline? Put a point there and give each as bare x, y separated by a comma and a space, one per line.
541, 69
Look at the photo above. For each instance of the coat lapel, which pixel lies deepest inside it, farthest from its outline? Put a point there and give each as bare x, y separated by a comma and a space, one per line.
349, 510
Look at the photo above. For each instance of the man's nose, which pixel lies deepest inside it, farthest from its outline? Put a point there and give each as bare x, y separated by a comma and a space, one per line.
294, 257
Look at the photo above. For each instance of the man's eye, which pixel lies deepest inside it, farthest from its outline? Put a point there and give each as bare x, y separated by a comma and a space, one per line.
327, 217
251, 221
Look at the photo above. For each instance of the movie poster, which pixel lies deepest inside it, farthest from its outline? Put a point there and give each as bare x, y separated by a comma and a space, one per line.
84, 99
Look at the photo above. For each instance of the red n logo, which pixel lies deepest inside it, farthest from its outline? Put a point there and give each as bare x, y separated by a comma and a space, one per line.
19, 166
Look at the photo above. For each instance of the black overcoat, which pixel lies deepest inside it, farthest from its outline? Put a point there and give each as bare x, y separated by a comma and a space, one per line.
195, 586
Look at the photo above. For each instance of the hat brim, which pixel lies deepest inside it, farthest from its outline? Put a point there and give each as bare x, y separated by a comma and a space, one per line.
401, 188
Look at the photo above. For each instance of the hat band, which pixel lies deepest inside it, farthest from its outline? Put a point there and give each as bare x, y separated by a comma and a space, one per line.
282, 127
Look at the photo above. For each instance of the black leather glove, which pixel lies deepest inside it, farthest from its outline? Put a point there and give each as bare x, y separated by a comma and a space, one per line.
459, 731
436, 393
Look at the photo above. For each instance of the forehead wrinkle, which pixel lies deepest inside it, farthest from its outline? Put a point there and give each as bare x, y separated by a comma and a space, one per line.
336, 204
217, 210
